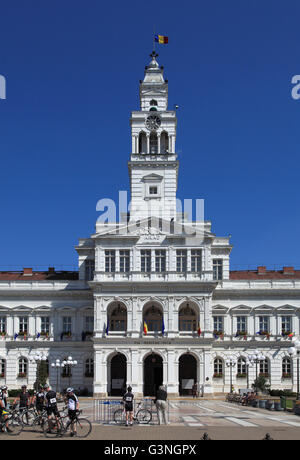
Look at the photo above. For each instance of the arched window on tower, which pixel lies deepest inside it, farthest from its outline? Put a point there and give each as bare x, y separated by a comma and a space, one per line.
142, 142
153, 103
164, 142
153, 143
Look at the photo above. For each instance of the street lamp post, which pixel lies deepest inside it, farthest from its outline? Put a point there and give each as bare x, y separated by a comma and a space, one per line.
37, 358
295, 351
255, 358
57, 365
70, 363
231, 362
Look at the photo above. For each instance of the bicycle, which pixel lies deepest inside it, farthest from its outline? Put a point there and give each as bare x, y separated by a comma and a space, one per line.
59, 427
142, 416
13, 421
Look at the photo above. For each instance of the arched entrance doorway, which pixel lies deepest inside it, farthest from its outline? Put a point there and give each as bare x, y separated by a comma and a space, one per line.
153, 374
118, 375
187, 374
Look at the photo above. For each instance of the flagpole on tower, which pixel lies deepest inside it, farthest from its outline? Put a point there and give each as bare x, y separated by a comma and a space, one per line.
154, 38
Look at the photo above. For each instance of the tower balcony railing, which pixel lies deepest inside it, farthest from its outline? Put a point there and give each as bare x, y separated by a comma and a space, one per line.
139, 276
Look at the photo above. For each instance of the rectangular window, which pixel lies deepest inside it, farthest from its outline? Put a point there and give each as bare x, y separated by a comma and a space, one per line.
218, 323
89, 270
2, 368
217, 269
124, 261
110, 261
160, 261
286, 324
2, 324
241, 323
152, 190
181, 260
264, 324
45, 324
146, 261
89, 324
67, 324
196, 260
23, 324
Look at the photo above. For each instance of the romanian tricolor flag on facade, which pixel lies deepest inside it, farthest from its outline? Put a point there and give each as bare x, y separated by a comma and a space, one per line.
199, 329
145, 328
161, 39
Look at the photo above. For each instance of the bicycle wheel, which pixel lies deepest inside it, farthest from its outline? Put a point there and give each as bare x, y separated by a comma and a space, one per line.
120, 417
83, 427
28, 418
52, 428
15, 425
144, 416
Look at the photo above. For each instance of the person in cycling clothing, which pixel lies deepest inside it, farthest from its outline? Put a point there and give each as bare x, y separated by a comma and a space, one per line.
128, 399
39, 400
73, 407
51, 402
24, 400
3, 405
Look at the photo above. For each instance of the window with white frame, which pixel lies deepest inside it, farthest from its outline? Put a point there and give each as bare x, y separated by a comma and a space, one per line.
241, 323
196, 260
146, 260
264, 324
286, 324
45, 324
2, 367
67, 324
218, 323
23, 367
153, 190
217, 269
241, 366
89, 324
23, 324
286, 367
89, 269
2, 324
110, 261
218, 367
160, 260
124, 261
181, 260
264, 367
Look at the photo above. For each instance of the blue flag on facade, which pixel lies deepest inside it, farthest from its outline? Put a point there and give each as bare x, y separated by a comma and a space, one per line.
163, 327
15, 336
107, 328
38, 335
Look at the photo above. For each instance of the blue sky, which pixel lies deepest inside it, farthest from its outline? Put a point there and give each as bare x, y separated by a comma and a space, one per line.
73, 69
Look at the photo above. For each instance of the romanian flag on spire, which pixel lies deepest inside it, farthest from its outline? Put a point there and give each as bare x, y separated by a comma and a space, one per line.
161, 39
145, 328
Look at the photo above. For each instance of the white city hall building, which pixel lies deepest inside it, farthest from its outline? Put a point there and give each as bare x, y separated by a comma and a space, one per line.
154, 301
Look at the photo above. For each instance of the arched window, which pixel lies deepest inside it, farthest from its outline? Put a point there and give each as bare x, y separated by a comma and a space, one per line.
264, 368
286, 368
23, 367
218, 368
154, 318
117, 317
142, 142
187, 319
153, 102
2, 368
153, 143
89, 367
241, 367
164, 142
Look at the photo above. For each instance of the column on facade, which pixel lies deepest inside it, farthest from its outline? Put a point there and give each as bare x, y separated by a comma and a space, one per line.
208, 371
158, 142
172, 375
148, 143
207, 317
31, 324
273, 329
100, 373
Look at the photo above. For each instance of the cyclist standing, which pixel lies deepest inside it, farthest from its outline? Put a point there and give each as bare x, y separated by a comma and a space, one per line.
3, 405
39, 399
24, 400
73, 406
51, 402
128, 399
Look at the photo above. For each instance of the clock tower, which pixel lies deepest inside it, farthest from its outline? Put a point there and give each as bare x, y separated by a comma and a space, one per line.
153, 165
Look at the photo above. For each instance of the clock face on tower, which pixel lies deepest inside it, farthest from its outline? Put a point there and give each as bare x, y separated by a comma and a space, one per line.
153, 122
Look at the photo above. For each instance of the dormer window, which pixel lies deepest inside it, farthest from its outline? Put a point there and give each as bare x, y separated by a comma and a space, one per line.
153, 190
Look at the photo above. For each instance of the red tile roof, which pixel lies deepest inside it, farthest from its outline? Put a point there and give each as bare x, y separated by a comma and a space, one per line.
37, 275
263, 273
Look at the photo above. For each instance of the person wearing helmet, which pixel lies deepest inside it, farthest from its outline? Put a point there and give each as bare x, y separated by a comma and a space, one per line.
3, 405
128, 399
73, 407
51, 402
39, 400
24, 399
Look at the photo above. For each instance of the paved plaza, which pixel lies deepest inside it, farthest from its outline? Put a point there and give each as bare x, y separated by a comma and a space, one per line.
190, 419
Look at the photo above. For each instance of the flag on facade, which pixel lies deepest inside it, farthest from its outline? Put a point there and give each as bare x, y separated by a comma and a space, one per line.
199, 329
15, 336
145, 328
291, 334
107, 328
163, 327
161, 39
38, 335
